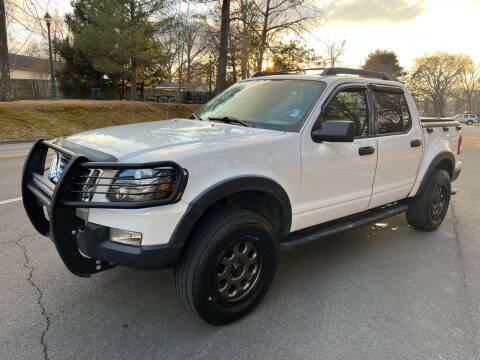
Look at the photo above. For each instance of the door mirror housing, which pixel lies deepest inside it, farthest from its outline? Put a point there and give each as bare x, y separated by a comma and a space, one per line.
335, 131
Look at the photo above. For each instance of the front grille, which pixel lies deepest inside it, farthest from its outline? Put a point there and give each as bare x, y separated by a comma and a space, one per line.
53, 170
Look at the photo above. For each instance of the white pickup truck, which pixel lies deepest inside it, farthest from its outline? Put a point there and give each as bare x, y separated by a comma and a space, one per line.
273, 160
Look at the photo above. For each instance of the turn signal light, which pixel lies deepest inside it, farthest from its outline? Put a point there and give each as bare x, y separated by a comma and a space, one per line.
460, 144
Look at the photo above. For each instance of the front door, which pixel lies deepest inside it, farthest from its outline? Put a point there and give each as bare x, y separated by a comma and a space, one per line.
337, 177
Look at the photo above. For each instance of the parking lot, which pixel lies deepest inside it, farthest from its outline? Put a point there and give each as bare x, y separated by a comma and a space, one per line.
383, 291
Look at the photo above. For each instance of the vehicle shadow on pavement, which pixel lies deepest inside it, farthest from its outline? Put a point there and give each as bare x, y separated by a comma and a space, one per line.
344, 290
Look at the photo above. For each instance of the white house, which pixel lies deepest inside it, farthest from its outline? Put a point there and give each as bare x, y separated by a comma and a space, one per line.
29, 67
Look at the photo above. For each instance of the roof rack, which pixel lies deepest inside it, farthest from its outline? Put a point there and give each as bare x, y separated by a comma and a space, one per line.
285, 72
366, 73
329, 72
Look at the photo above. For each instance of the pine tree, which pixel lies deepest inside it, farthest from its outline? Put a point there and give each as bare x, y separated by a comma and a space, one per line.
118, 37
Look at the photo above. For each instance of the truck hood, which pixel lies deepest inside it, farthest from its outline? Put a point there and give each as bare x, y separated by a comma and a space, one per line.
167, 139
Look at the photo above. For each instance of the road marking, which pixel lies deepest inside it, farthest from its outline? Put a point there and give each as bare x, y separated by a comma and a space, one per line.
3, 202
4, 156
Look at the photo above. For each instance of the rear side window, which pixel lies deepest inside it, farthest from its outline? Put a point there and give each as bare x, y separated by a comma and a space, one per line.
393, 114
350, 104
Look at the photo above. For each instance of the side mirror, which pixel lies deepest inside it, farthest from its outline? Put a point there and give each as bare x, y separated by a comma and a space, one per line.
335, 131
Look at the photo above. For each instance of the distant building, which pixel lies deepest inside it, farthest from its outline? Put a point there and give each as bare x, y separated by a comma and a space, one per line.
29, 67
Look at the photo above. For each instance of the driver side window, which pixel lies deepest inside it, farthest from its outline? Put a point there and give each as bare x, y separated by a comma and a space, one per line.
349, 104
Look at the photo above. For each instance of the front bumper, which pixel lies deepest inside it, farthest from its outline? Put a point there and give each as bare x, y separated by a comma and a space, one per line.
93, 241
83, 247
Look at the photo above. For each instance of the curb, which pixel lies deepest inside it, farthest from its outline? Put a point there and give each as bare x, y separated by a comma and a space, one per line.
16, 141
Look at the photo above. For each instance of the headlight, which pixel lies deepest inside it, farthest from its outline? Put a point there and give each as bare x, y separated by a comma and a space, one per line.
142, 184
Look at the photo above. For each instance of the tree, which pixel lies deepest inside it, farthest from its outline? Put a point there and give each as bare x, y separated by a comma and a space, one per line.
118, 36
433, 77
292, 55
282, 16
469, 81
77, 75
246, 15
27, 29
384, 61
221, 83
4, 66
333, 51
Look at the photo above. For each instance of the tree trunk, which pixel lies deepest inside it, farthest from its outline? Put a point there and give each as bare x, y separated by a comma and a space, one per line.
234, 66
263, 39
189, 56
133, 64
5, 94
245, 47
133, 82
221, 82
189, 67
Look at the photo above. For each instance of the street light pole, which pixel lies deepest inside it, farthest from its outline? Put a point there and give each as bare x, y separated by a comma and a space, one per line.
53, 91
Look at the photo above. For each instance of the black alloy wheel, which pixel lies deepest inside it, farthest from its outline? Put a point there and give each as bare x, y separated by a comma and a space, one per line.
439, 200
238, 270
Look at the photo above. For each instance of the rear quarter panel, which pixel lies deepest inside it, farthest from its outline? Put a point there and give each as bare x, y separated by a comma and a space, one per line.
436, 142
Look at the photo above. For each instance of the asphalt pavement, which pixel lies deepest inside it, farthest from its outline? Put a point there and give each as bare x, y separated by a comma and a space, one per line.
384, 291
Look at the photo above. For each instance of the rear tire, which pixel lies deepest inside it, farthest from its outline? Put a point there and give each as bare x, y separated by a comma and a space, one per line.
470, 122
228, 266
427, 211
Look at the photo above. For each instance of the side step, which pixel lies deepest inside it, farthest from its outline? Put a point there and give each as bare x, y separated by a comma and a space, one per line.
338, 226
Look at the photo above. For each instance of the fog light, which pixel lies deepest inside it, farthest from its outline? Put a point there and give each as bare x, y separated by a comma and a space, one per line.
125, 237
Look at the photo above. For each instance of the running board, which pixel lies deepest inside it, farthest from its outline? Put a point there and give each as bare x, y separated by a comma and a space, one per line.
338, 226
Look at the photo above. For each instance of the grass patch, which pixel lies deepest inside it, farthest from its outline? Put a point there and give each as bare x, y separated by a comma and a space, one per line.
46, 119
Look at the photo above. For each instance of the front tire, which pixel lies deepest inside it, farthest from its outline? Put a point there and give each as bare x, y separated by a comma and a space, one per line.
228, 266
427, 211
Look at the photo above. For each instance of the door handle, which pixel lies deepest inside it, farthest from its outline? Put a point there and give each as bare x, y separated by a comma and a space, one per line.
415, 143
366, 150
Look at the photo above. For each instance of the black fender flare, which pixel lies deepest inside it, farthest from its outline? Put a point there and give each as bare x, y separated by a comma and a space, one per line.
214, 193
445, 155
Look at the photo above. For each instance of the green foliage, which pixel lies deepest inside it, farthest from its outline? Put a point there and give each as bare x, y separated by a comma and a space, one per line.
384, 61
112, 40
77, 75
292, 55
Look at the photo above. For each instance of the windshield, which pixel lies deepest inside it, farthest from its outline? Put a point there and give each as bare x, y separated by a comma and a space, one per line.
270, 104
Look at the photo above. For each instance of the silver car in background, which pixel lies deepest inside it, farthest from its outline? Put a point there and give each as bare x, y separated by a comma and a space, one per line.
468, 119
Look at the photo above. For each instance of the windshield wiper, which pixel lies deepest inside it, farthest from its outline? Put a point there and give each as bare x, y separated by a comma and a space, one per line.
193, 116
230, 120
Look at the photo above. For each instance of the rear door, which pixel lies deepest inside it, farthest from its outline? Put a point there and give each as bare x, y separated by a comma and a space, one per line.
399, 144
337, 177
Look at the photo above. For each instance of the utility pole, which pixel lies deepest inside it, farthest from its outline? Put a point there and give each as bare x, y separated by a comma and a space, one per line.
5, 90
